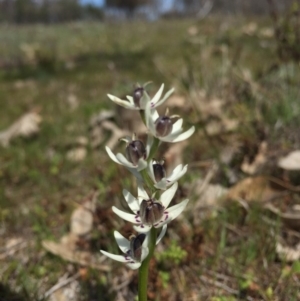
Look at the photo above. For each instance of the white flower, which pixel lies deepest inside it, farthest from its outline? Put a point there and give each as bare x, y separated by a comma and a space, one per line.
126, 246
121, 159
131, 105
174, 135
177, 173
149, 212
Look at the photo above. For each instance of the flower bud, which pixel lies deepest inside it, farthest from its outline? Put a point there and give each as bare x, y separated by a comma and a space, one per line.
135, 150
151, 211
163, 126
159, 171
136, 245
137, 95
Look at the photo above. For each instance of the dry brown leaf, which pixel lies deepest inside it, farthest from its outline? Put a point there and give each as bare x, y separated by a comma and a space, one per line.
76, 154
72, 101
82, 217
176, 101
266, 32
116, 133
291, 218
192, 30
224, 125
12, 246
25, 126
96, 130
173, 156
287, 253
69, 292
208, 194
259, 160
81, 221
250, 28
66, 251
291, 161
253, 189
208, 106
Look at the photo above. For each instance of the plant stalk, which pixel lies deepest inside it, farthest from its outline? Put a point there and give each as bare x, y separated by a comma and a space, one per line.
144, 269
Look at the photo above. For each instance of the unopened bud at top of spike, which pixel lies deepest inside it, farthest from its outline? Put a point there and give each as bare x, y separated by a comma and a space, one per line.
137, 95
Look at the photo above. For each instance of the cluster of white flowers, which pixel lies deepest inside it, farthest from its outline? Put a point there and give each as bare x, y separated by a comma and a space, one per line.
148, 211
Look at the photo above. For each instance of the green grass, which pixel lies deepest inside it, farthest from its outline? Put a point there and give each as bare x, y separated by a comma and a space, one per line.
43, 65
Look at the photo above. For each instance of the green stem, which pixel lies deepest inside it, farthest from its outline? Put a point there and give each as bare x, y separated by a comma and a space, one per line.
147, 179
154, 148
144, 269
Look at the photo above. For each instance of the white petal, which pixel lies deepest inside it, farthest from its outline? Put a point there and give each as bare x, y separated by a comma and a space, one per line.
149, 119
144, 100
142, 164
135, 173
120, 258
168, 195
177, 173
124, 103
177, 137
134, 265
149, 144
130, 98
177, 125
145, 252
126, 216
123, 243
174, 211
157, 96
142, 192
185, 135
162, 233
112, 155
151, 171
141, 228
123, 161
154, 115
162, 184
167, 95
132, 202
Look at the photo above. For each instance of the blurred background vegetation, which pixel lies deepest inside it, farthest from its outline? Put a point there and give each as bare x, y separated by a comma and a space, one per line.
235, 68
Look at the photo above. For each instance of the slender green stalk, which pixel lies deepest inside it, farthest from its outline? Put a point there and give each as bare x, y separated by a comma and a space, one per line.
153, 148
146, 177
144, 269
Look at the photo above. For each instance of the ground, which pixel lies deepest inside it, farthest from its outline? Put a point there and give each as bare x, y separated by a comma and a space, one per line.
230, 83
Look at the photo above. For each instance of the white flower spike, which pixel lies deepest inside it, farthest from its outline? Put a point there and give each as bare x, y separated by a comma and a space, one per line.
149, 212
161, 181
140, 98
132, 162
172, 134
135, 250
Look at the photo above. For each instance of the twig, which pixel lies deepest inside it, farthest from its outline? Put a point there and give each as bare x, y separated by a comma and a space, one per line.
116, 133
60, 284
222, 286
9, 250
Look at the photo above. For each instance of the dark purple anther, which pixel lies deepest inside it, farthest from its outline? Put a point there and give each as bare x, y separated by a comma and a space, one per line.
163, 126
151, 211
136, 245
159, 171
135, 150
137, 95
